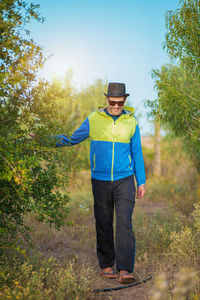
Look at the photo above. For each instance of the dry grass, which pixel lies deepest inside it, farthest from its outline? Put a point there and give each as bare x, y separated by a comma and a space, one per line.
167, 241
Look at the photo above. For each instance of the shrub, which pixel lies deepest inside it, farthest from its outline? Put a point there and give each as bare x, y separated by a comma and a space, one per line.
39, 278
184, 246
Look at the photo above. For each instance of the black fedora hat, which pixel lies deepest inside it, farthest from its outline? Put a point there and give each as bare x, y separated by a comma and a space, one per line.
116, 89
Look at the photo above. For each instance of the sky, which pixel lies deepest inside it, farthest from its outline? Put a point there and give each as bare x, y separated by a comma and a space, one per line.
112, 40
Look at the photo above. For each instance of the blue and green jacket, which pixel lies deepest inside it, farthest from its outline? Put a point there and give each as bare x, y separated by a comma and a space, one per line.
115, 150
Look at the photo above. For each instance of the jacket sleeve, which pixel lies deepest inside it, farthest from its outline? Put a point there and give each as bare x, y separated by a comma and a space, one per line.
78, 136
136, 151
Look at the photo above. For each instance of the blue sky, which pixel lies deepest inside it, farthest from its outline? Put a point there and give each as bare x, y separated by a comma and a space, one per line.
115, 40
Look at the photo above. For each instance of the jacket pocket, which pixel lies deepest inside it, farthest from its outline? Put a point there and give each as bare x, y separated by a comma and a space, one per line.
130, 160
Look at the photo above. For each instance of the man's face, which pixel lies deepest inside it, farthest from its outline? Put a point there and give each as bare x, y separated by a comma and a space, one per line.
115, 105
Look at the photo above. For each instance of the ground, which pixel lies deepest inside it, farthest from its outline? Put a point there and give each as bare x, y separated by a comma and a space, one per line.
77, 241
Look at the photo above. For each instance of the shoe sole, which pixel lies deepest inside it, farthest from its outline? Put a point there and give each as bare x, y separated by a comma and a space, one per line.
127, 280
107, 276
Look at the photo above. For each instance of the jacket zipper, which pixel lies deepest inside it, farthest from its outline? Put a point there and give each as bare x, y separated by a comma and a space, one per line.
113, 150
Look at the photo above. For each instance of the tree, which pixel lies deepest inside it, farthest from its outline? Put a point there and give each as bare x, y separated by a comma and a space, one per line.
178, 85
182, 39
29, 181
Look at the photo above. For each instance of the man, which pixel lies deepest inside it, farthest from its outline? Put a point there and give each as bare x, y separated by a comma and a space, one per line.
115, 156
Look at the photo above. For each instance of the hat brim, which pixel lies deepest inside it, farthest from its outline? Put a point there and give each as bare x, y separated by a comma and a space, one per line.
117, 96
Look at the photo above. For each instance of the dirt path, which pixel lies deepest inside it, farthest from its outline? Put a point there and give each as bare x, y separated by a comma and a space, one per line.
73, 242
140, 292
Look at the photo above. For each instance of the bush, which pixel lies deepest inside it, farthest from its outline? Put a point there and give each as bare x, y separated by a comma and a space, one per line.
184, 247
39, 278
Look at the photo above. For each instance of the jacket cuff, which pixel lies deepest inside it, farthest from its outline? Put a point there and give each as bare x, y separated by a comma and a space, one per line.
140, 184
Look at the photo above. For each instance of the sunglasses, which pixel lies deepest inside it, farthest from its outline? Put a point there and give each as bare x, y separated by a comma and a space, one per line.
113, 103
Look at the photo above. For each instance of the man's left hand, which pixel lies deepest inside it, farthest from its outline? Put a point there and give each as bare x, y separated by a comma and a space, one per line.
141, 191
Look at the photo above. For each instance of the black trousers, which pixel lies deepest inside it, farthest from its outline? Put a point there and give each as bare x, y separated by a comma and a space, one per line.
118, 194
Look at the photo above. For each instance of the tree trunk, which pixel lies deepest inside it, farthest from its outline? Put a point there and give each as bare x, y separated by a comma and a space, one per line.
157, 161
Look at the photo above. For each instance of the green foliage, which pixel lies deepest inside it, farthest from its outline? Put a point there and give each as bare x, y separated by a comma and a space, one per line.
178, 86
28, 167
73, 107
182, 36
178, 105
20, 55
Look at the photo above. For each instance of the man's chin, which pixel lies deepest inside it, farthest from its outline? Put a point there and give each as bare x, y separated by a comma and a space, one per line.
116, 112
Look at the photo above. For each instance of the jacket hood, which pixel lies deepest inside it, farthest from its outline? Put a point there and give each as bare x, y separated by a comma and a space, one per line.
129, 111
